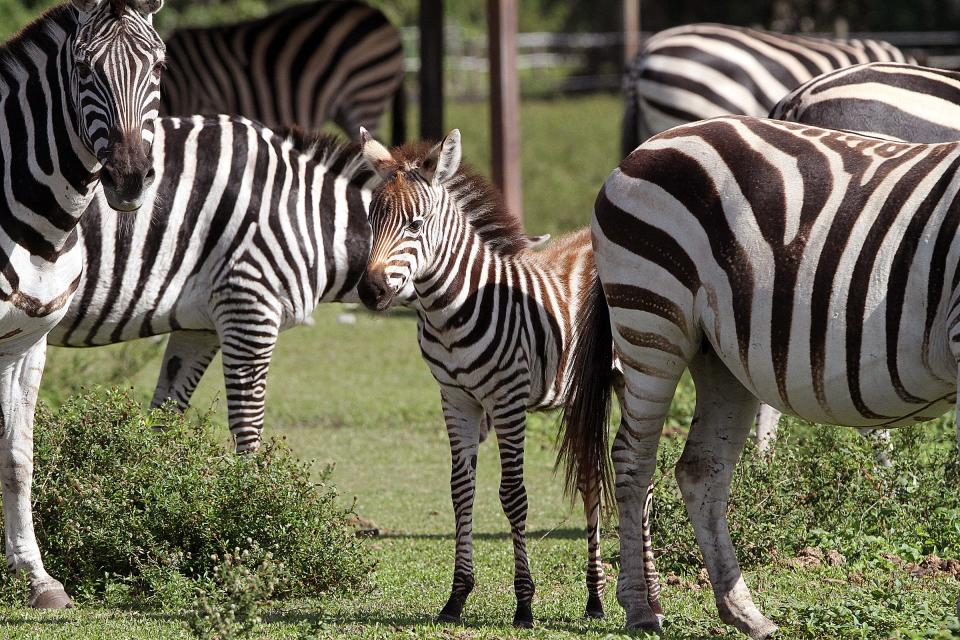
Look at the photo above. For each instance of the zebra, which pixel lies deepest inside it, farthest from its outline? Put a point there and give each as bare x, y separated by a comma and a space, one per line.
496, 324
813, 269
895, 101
250, 229
699, 71
79, 90
304, 65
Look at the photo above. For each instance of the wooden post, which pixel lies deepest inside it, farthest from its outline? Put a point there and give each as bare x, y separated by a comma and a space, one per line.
505, 102
631, 29
431, 69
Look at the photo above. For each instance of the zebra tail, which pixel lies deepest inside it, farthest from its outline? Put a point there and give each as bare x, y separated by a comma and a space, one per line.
583, 451
630, 128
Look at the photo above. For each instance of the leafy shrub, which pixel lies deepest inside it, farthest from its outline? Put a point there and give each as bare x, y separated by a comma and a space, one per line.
134, 507
821, 488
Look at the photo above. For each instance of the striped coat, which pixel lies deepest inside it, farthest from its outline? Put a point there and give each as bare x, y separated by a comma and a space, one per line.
305, 65
700, 71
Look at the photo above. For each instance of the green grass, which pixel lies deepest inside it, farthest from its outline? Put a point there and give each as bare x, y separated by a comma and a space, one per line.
358, 395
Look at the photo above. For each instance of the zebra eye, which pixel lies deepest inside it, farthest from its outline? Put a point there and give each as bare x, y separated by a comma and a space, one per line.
415, 225
83, 68
158, 68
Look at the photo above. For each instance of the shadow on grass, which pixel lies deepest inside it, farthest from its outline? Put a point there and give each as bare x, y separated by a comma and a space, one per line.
61, 619
569, 533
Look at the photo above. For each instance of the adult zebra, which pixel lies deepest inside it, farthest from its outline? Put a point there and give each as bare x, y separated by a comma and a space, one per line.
888, 100
304, 65
700, 71
497, 323
79, 90
813, 269
261, 227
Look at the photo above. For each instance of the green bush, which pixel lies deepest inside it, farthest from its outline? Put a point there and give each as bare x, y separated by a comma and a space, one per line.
134, 507
821, 488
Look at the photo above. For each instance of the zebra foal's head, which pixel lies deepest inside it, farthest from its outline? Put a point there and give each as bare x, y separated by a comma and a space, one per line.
406, 213
117, 58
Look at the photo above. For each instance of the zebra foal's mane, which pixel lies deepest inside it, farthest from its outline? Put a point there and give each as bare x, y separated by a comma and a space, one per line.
477, 198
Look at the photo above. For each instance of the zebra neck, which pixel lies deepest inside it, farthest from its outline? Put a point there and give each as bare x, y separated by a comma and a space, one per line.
51, 173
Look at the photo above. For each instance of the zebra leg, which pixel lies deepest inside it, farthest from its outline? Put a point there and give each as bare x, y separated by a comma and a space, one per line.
596, 579
511, 429
247, 350
768, 421
721, 425
463, 428
650, 574
19, 384
186, 358
646, 400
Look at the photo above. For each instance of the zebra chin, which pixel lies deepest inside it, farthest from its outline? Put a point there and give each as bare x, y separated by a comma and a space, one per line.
124, 205
375, 292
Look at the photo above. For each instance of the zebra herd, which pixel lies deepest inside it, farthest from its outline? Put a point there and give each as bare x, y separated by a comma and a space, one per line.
798, 262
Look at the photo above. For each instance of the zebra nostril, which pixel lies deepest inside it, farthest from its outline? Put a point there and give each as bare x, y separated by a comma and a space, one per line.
149, 177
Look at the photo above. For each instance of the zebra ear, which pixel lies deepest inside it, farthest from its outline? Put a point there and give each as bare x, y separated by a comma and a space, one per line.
376, 155
146, 7
538, 242
443, 160
85, 6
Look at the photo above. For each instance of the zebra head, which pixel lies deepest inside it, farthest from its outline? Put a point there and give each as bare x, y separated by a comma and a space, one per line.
406, 215
117, 58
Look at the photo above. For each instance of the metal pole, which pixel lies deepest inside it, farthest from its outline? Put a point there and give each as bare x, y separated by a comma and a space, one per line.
631, 29
431, 69
505, 102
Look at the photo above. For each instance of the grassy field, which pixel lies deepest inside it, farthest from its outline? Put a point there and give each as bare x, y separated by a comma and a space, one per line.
357, 395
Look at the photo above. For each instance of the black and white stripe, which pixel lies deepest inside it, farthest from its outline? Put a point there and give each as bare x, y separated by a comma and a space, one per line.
701, 71
79, 90
496, 324
248, 232
305, 65
813, 269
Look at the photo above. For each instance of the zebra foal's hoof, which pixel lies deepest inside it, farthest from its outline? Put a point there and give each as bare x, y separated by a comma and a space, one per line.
452, 612
594, 607
49, 596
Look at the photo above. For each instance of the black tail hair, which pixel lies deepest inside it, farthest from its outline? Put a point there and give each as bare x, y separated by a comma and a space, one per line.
584, 452
630, 128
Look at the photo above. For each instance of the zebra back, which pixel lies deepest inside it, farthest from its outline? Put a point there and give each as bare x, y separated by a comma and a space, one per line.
304, 65
889, 100
699, 71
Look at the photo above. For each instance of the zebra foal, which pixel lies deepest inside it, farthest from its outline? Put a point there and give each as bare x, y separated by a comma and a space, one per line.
699, 71
304, 65
813, 269
496, 326
79, 91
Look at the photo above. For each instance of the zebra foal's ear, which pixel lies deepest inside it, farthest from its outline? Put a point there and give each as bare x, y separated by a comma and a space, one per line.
443, 160
85, 6
376, 155
146, 7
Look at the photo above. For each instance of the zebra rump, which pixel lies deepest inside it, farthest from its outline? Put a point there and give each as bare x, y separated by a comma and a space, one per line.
304, 65
700, 71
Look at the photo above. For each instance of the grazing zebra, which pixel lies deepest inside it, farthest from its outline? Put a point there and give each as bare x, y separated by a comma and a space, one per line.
79, 90
260, 228
813, 269
496, 326
889, 100
700, 71
304, 65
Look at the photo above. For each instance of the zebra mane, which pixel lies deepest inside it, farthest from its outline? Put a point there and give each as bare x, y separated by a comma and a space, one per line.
329, 149
478, 199
23, 44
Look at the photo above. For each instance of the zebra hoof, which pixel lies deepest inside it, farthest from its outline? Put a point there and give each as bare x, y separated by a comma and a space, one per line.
523, 618
645, 626
594, 608
52, 597
452, 612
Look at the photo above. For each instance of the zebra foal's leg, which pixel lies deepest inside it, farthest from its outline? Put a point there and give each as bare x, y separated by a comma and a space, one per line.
19, 384
186, 358
462, 417
596, 579
247, 349
510, 426
721, 425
